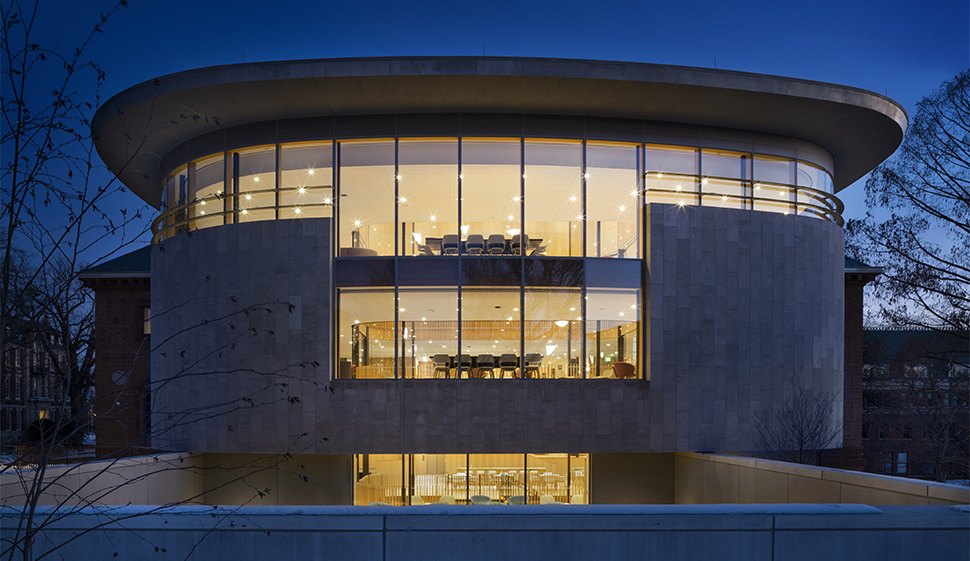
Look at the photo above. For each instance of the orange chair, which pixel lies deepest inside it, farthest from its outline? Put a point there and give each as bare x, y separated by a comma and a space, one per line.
624, 370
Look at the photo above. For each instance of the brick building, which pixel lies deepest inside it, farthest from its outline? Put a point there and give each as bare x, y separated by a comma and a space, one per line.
915, 418
850, 455
122, 289
31, 386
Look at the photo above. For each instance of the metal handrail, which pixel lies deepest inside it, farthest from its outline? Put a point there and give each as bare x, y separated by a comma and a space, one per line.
831, 207
162, 228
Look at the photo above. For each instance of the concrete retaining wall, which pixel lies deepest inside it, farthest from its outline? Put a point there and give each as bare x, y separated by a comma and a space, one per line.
709, 479
567, 532
154, 480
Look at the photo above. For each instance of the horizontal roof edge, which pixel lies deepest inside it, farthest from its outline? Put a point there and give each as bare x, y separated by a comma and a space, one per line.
860, 128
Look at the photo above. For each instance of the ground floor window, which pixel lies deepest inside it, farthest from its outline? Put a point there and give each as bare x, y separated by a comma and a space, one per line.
418, 479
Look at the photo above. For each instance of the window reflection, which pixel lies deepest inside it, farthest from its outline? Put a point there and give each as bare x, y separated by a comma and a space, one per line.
613, 201
671, 175
612, 333
420, 180
367, 186
209, 196
428, 333
491, 330
553, 199
366, 333
254, 183
491, 193
428, 197
306, 180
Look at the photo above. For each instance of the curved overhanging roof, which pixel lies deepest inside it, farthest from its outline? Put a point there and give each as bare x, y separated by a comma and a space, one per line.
137, 128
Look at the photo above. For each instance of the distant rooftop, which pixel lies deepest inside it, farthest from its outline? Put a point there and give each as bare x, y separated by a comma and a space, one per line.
851, 263
138, 263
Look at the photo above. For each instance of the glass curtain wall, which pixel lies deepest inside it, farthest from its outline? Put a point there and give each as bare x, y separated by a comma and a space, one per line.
462, 479
491, 187
612, 332
434, 478
814, 178
209, 192
553, 299
254, 182
724, 178
400, 197
771, 179
366, 333
428, 331
491, 301
176, 193
507, 315
671, 175
380, 479
428, 197
553, 199
306, 180
495, 478
613, 201
367, 184
491, 192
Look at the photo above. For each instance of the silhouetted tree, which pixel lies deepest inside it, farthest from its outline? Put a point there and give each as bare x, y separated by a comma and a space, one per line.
918, 225
800, 427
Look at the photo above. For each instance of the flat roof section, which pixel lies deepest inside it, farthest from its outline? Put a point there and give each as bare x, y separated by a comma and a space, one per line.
860, 128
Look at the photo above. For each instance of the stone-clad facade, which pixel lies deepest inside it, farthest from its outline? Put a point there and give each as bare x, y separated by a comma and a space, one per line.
739, 302
334, 274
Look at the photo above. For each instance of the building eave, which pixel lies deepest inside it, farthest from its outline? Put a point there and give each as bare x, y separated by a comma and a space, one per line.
859, 128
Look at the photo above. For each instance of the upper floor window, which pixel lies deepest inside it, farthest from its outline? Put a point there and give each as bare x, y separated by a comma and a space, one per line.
483, 196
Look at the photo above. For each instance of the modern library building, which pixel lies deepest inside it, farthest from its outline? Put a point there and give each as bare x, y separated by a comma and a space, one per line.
484, 279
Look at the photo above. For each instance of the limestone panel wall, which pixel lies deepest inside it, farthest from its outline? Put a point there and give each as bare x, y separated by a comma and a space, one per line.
241, 337
739, 303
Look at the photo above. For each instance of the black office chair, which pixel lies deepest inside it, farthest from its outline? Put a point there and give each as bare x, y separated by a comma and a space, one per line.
465, 365
475, 244
519, 243
486, 363
541, 250
449, 244
532, 363
442, 363
507, 363
496, 244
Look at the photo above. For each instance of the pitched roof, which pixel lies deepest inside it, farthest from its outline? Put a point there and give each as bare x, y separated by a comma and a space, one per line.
138, 263
851, 263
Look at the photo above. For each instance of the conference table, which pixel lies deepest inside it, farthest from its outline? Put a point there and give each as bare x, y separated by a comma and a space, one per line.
434, 244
